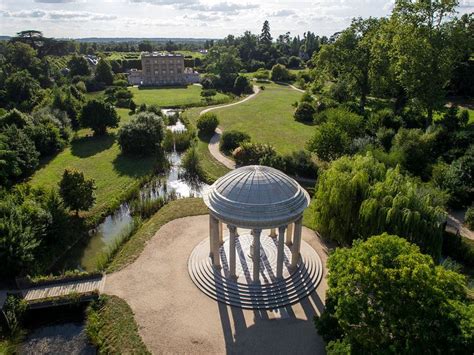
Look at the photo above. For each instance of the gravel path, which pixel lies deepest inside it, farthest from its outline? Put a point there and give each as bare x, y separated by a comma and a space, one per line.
174, 316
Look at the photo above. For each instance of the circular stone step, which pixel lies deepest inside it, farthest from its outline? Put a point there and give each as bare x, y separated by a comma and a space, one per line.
269, 292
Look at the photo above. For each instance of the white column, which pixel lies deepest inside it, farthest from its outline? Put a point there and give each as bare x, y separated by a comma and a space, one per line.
281, 250
289, 234
221, 233
295, 250
233, 235
214, 240
273, 233
256, 254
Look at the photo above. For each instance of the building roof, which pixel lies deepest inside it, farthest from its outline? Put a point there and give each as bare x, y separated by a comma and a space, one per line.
256, 196
161, 54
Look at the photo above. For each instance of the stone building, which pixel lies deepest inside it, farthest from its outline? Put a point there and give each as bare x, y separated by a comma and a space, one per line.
161, 69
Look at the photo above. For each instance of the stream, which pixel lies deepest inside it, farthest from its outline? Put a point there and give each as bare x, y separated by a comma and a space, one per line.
167, 185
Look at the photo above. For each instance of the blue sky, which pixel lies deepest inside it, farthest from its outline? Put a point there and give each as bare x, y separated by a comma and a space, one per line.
186, 18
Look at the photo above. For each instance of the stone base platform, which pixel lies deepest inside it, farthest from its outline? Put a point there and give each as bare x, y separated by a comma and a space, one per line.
269, 292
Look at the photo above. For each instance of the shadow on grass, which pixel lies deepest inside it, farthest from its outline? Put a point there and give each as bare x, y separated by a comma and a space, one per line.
162, 87
135, 167
91, 145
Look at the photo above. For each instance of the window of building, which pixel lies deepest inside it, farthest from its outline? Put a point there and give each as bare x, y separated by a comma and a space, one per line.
156, 72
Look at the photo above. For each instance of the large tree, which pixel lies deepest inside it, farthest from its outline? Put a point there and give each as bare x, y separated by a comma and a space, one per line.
385, 297
76, 191
357, 197
348, 59
143, 135
103, 72
98, 116
422, 51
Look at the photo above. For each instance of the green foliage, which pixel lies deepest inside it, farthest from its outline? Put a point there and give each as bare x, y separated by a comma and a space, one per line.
118, 96
232, 139
280, 73
192, 165
180, 141
242, 85
339, 194
13, 311
329, 141
111, 327
207, 124
469, 218
31, 221
252, 153
22, 90
401, 206
458, 248
76, 191
304, 112
143, 135
99, 116
262, 74
78, 66
103, 72
21, 156
385, 296
413, 148
459, 180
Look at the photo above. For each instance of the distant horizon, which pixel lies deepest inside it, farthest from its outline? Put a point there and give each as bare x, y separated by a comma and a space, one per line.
187, 18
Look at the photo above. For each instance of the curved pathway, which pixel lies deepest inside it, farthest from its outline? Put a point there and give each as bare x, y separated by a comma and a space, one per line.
215, 139
175, 317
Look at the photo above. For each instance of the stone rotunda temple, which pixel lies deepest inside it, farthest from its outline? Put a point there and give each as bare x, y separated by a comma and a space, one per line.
259, 260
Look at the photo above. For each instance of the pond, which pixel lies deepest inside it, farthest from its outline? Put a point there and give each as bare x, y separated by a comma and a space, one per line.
59, 330
168, 185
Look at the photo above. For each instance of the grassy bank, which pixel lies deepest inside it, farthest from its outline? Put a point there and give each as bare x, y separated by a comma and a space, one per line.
267, 118
111, 327
99, 158
173, 210
173, 96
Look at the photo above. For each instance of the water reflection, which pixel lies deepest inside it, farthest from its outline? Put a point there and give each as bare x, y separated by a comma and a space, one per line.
65, 338
171, 184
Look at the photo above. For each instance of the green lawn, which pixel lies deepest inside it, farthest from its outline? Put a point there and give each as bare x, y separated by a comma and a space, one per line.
267, 118
112, 328
172, 97
99, 158
173, 210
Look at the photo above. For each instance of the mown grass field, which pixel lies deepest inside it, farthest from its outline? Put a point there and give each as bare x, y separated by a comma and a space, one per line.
173, 96
98, 158
267, 118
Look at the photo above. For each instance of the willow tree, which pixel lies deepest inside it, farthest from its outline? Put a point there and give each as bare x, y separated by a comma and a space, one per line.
340, 192
400, 205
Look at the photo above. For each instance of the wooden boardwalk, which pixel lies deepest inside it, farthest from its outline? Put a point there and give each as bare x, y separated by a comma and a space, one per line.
46, 292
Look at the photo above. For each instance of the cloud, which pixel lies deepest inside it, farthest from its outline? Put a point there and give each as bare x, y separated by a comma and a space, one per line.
55, 1
197, 5
283, 13
58, 15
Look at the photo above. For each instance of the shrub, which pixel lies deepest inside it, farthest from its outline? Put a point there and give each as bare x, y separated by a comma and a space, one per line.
261, 74
329, 141
382, 292
469, 218
294, 62
207, 124
242, 85
455, 247
299, 163
192, 165
251, 153
143, 135
99, 116
304, 112
385, 136
232, 139
177, 140
280, 73
76, 191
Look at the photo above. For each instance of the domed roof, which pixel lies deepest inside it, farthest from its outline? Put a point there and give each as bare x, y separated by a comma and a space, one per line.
256, 196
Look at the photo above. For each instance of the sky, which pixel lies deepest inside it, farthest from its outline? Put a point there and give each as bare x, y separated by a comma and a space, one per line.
186, 18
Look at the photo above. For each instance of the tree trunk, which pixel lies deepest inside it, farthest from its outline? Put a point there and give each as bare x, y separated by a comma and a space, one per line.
429, 118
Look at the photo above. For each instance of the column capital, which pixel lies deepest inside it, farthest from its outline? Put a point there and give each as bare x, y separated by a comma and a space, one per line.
232, 228
256, 231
